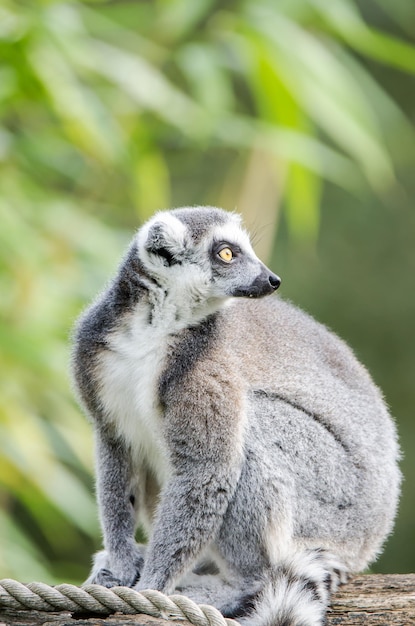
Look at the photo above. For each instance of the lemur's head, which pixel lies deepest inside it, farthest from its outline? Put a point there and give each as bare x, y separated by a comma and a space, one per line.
204, 253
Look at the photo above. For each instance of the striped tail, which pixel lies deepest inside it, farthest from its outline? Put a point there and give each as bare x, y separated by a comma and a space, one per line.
297, 591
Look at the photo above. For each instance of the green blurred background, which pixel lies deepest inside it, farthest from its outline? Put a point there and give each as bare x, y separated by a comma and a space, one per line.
297, 113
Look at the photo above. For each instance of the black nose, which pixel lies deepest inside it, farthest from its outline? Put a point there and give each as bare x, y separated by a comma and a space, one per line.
274, 281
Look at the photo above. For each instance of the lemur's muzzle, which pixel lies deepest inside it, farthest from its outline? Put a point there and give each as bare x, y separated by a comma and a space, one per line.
264, 284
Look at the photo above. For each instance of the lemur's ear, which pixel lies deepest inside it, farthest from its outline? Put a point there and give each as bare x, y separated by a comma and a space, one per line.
165, 242
156, 244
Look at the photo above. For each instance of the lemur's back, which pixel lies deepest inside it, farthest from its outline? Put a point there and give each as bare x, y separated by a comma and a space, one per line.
296, 356
314, 411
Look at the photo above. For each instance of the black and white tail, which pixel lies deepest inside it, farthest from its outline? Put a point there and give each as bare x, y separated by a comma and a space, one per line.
296, 592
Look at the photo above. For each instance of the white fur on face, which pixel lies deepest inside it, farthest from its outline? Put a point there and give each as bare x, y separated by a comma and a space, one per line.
234, 234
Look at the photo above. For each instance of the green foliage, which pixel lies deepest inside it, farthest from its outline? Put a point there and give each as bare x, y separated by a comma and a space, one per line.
111, 110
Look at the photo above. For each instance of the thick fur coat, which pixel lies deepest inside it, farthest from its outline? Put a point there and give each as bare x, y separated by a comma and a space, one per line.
243, 436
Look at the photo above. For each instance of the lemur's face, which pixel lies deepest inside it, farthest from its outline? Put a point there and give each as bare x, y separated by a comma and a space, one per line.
203, 253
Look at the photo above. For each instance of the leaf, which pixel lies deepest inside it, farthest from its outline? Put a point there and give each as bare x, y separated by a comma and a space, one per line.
34, 458
327, 92
206, 77
346, 21
86, 120
292, 146
151, 183
303, 192
143, 83
178, 17
19, 557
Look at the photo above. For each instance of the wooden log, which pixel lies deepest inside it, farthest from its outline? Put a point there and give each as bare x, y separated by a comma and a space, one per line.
371, 600
376, 600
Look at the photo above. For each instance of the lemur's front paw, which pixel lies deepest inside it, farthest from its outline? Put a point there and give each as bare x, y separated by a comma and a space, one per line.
115, 572
105, 578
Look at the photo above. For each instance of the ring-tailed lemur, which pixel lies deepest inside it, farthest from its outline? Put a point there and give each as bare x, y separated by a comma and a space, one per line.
243, 436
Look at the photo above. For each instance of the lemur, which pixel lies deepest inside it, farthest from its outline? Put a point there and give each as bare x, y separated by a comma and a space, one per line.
244, 437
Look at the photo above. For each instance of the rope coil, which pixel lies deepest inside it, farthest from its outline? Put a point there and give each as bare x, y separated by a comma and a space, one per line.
100, 600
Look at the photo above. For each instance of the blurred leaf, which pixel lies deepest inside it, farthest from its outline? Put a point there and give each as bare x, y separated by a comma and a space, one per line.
144, 83
303, 195
401, 11
178, 17
152, 188
18, 556
85, 120
291, 145
206, 78
346, 21
277, 104
13, 24
327, 91
33, 457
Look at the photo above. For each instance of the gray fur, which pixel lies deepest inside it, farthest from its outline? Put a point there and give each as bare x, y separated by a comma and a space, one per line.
243, 436
200, 219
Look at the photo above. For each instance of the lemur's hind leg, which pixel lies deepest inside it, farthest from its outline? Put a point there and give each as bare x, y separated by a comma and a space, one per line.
276, 576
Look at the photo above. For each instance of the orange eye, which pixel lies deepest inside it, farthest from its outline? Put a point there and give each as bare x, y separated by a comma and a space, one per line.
226, 254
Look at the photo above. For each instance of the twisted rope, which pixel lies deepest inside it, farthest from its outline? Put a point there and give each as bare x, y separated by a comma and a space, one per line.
100, 600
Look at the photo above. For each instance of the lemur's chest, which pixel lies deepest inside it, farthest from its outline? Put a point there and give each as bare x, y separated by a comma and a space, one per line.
129, 373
